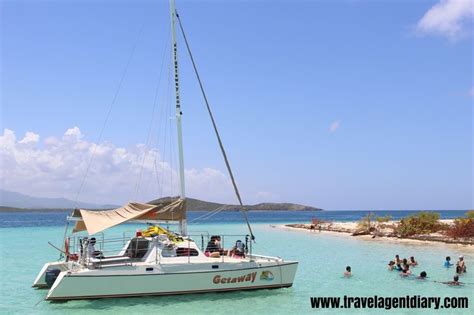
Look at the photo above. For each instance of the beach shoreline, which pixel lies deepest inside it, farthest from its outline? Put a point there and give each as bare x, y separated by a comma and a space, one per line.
346, 229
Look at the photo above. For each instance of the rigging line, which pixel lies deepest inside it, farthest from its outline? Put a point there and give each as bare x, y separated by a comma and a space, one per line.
205, 215
208, 214
110, 111
160, 117
148, 139
171, 157
167, 114
242, 209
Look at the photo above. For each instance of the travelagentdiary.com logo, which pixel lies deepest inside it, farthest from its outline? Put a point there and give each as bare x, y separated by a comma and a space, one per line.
387, 303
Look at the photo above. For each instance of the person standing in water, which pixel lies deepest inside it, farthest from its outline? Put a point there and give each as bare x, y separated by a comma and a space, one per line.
413, 262
391, 265
398, 267
348, 272
461, 264
448, 263
397, 259
405, 262
406, 271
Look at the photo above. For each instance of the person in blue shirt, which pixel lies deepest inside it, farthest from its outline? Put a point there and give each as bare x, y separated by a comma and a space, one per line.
448, 263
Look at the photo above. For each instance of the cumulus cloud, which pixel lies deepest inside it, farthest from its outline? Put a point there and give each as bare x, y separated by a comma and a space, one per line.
56, 168
334, 125
449, 18
30, 137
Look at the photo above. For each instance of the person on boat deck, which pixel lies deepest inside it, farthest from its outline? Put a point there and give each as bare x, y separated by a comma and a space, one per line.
448, 263
422, 275
461, 264
214, 245
91, 252
413, 262
211, 245
348, 272
391, 265
238, 250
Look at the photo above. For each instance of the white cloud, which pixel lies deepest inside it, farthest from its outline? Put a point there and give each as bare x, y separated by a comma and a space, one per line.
450, 18
30, 137
73, 133
334, 126
57, 168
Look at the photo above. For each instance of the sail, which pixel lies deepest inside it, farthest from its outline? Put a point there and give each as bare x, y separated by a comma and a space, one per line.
97, 221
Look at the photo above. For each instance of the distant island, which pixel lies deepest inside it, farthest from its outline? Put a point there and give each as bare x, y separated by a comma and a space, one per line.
13, 201
200, 205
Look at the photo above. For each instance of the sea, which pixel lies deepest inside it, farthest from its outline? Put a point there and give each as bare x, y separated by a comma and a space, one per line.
322, 258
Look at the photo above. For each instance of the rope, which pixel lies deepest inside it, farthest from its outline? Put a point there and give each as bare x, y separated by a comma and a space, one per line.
165, 113
151, 121
207, 215
109, 112
165, 103
242, 209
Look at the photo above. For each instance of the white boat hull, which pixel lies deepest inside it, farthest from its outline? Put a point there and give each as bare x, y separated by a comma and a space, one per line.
171, 279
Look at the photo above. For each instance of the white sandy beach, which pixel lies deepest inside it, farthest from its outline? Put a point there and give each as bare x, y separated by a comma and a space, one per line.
345, 229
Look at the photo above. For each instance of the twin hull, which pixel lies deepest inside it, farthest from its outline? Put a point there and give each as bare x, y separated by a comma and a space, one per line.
167, 280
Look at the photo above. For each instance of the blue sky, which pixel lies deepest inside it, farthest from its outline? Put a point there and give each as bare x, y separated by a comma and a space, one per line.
336, 104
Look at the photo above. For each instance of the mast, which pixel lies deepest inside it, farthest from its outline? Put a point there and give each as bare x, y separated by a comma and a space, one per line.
179, 113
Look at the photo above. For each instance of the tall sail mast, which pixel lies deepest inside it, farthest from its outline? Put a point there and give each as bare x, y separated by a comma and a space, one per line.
179, 113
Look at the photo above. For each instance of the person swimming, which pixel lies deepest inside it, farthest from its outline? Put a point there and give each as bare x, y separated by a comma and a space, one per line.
455, 281
413, 262
348, 272
405, 262
422, 275
397, 259
406, 271
391, 265
448, 263
399, 267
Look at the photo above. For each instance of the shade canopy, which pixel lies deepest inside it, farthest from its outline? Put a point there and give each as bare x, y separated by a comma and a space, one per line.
97, 221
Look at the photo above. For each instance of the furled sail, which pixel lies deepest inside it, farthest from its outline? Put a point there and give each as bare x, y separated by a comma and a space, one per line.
97, 221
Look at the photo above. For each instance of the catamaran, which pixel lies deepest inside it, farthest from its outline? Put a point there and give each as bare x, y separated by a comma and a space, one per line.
156, 260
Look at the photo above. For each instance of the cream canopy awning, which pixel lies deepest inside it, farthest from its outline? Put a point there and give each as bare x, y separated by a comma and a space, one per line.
97, 221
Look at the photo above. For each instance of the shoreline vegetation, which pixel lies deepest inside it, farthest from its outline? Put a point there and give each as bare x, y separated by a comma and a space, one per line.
423, 226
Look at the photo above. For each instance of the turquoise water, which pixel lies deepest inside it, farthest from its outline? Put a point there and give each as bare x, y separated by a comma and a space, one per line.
322, 260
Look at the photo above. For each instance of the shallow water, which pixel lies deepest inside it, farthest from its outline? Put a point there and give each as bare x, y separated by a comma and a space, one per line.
322, 258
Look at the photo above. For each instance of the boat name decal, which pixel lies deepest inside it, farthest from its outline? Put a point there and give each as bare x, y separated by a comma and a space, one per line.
250, 277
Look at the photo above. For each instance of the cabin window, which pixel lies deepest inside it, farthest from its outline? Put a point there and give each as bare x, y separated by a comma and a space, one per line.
137, 248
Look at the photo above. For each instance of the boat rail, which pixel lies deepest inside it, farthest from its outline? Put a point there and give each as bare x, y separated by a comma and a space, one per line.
112, 247
268, 258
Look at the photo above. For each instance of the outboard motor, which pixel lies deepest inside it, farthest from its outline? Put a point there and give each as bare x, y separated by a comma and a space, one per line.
51, 276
